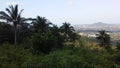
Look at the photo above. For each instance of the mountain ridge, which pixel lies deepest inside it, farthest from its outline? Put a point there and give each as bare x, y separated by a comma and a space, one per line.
98, 26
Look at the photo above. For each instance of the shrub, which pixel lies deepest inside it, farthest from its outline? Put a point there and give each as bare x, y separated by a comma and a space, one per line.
44, 42
12, 56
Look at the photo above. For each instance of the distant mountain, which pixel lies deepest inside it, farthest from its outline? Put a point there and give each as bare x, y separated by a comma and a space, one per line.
97, 26
100, 24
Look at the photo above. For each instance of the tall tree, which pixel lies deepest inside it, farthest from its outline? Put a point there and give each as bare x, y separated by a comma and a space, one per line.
12, 16
40, 24
103, 38
55, 30
67, 30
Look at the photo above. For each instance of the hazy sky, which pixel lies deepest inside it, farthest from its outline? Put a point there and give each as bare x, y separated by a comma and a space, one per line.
72, 11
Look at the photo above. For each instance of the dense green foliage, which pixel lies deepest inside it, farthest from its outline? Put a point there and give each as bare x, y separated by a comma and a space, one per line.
68, 57
44, 43
6, 33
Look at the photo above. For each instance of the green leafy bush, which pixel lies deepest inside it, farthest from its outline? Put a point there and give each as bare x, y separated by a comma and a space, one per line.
12, 56
44, 42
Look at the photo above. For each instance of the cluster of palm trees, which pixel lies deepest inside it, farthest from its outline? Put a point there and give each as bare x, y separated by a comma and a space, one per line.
13, 17
12, 21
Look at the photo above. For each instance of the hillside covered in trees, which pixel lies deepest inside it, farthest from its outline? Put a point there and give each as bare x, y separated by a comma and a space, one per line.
38, 43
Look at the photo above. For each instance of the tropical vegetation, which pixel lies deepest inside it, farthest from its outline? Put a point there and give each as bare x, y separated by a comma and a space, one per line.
38, 43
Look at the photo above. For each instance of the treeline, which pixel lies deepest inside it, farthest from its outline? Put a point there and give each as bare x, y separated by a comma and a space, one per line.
44, 35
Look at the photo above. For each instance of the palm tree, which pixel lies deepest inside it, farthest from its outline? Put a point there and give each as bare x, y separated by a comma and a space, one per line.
67, 30
12, 16
55, 30
40, 24
103, 38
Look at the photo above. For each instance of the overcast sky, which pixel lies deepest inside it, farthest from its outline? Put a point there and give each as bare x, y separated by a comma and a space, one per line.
72, 11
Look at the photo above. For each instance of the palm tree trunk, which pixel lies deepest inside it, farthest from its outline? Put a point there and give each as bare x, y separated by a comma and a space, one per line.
15, 41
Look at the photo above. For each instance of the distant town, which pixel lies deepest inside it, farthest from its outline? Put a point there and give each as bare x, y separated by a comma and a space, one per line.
90, 30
